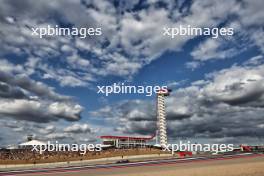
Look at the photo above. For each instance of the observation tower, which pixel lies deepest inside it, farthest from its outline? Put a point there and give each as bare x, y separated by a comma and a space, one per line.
161, 116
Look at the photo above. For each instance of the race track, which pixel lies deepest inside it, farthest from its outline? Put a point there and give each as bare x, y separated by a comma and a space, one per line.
173, 166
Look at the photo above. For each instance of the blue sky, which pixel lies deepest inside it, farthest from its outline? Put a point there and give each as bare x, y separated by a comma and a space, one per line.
48, 86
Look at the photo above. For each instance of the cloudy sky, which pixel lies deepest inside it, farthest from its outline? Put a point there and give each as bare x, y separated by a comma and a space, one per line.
48, 86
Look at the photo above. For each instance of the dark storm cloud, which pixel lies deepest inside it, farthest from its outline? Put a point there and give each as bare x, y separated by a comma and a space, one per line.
30, 85
138, 111
39, 110
175, 116
23, 98
7, 91
253, 95
244, 86
218, 126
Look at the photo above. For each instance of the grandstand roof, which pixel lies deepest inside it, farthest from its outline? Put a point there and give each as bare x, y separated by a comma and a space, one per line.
127, 137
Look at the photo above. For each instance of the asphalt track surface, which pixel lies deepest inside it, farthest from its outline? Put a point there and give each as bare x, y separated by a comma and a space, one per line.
77, 170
